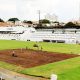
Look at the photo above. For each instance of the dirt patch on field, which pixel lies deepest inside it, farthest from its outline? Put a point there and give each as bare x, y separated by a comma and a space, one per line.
30, 58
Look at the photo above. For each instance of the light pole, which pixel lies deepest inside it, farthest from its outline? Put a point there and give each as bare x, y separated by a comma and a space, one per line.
79, 11
39, 16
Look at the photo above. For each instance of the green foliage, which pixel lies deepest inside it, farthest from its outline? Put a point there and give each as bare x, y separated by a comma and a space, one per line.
70, 24
29, 22
44, 21
13, 19
1, 20
25, 21
35, 45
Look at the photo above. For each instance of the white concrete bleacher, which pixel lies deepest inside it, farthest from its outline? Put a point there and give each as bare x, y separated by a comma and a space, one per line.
46, 35
30, 34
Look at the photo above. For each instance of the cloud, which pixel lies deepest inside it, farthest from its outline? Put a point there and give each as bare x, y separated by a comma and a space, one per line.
68, 10
7, 9
28, 9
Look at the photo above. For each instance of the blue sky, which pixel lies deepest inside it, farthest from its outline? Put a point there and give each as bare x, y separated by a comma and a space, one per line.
66, 10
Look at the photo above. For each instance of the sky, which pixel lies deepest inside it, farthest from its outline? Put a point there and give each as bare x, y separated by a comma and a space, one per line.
66, 10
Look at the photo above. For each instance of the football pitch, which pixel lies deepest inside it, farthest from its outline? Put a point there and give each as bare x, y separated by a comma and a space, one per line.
66, 70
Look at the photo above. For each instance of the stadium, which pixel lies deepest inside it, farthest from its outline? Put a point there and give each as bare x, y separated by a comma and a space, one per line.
63, 35
41, 52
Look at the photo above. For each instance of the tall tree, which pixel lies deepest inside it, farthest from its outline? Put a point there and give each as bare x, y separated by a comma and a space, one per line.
44, 21
1, 20
13, 19
70, 25
25, 21
29, 22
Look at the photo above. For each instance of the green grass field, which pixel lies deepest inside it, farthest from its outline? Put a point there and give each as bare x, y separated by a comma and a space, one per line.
52, 47
66, 70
